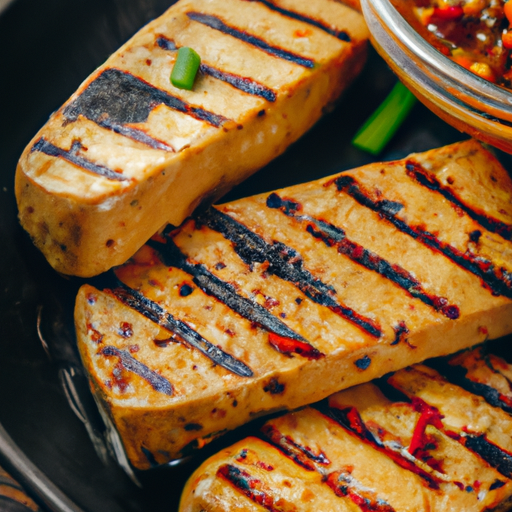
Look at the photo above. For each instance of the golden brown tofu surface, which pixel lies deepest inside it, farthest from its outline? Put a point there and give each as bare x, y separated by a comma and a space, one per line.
381, 451
129, 152
278, 300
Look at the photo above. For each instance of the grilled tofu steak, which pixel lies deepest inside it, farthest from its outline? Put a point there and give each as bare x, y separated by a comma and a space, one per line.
129, 152
281, 299
436, 448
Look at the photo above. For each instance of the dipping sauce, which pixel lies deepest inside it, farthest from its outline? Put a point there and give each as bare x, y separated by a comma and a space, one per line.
477, 34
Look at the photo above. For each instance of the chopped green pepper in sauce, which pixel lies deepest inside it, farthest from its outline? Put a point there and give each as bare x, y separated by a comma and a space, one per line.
477, 34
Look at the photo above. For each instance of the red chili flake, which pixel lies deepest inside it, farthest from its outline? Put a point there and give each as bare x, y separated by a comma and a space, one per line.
289, 346
450, 12
133, 348
428, 416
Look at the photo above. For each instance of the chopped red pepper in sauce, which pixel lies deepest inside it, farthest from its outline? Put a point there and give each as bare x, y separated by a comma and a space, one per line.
477, 34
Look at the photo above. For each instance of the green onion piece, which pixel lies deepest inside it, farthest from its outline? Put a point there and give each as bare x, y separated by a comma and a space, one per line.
185, 68
385, 121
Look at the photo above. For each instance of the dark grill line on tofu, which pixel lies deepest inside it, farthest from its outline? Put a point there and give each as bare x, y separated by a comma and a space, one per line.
285, 263
334, 236
248, 485
242, 83
157, 382
340, 482
343, 483
157, 314
457, 374
301, 455
134, 134
498, 281
340, 34
491, 453
166, 44
423, 177
72, 156
217, 24
117, 99
226, 293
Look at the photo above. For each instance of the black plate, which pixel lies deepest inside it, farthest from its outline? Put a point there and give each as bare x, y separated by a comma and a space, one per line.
46, 49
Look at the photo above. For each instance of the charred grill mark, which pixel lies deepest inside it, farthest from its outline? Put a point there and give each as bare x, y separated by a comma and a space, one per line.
344, 485
494, 455
301, 455
340, 34
341, 482
133, 133
458, 375
401, 332
334, 236
242, 83
285, 263
423, 177
217, 24
72, 156
166, 43
499, 281
253, 488
116, 99
157, 314
157, 382
226, 293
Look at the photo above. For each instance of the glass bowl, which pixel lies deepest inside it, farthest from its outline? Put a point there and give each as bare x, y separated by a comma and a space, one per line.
464, 100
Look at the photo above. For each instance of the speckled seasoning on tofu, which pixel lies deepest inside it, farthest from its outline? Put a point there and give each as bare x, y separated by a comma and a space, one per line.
434, 448
129, 152
299, 293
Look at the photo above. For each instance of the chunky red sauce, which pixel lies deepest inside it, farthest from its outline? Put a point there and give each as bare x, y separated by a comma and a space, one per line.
474, 33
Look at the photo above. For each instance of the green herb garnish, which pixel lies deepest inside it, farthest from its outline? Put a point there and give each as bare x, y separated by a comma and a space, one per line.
185, 68
385, 121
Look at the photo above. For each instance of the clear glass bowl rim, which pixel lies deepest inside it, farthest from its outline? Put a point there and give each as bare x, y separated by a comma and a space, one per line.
471, 89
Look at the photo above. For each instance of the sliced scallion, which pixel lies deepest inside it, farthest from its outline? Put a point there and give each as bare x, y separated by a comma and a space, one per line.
185, 68
377, 131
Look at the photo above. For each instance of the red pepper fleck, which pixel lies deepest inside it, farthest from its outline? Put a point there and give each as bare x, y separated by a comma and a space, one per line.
289, 346
450, 12
428, 416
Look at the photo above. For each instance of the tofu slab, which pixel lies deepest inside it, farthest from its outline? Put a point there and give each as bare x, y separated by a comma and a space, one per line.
278, 300
413, 454
129, 152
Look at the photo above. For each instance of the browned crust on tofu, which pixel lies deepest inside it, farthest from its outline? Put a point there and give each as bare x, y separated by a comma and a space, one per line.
97, 181
365, 450
278, 300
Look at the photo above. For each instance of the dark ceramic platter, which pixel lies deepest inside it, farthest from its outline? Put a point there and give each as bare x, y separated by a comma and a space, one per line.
46, 49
